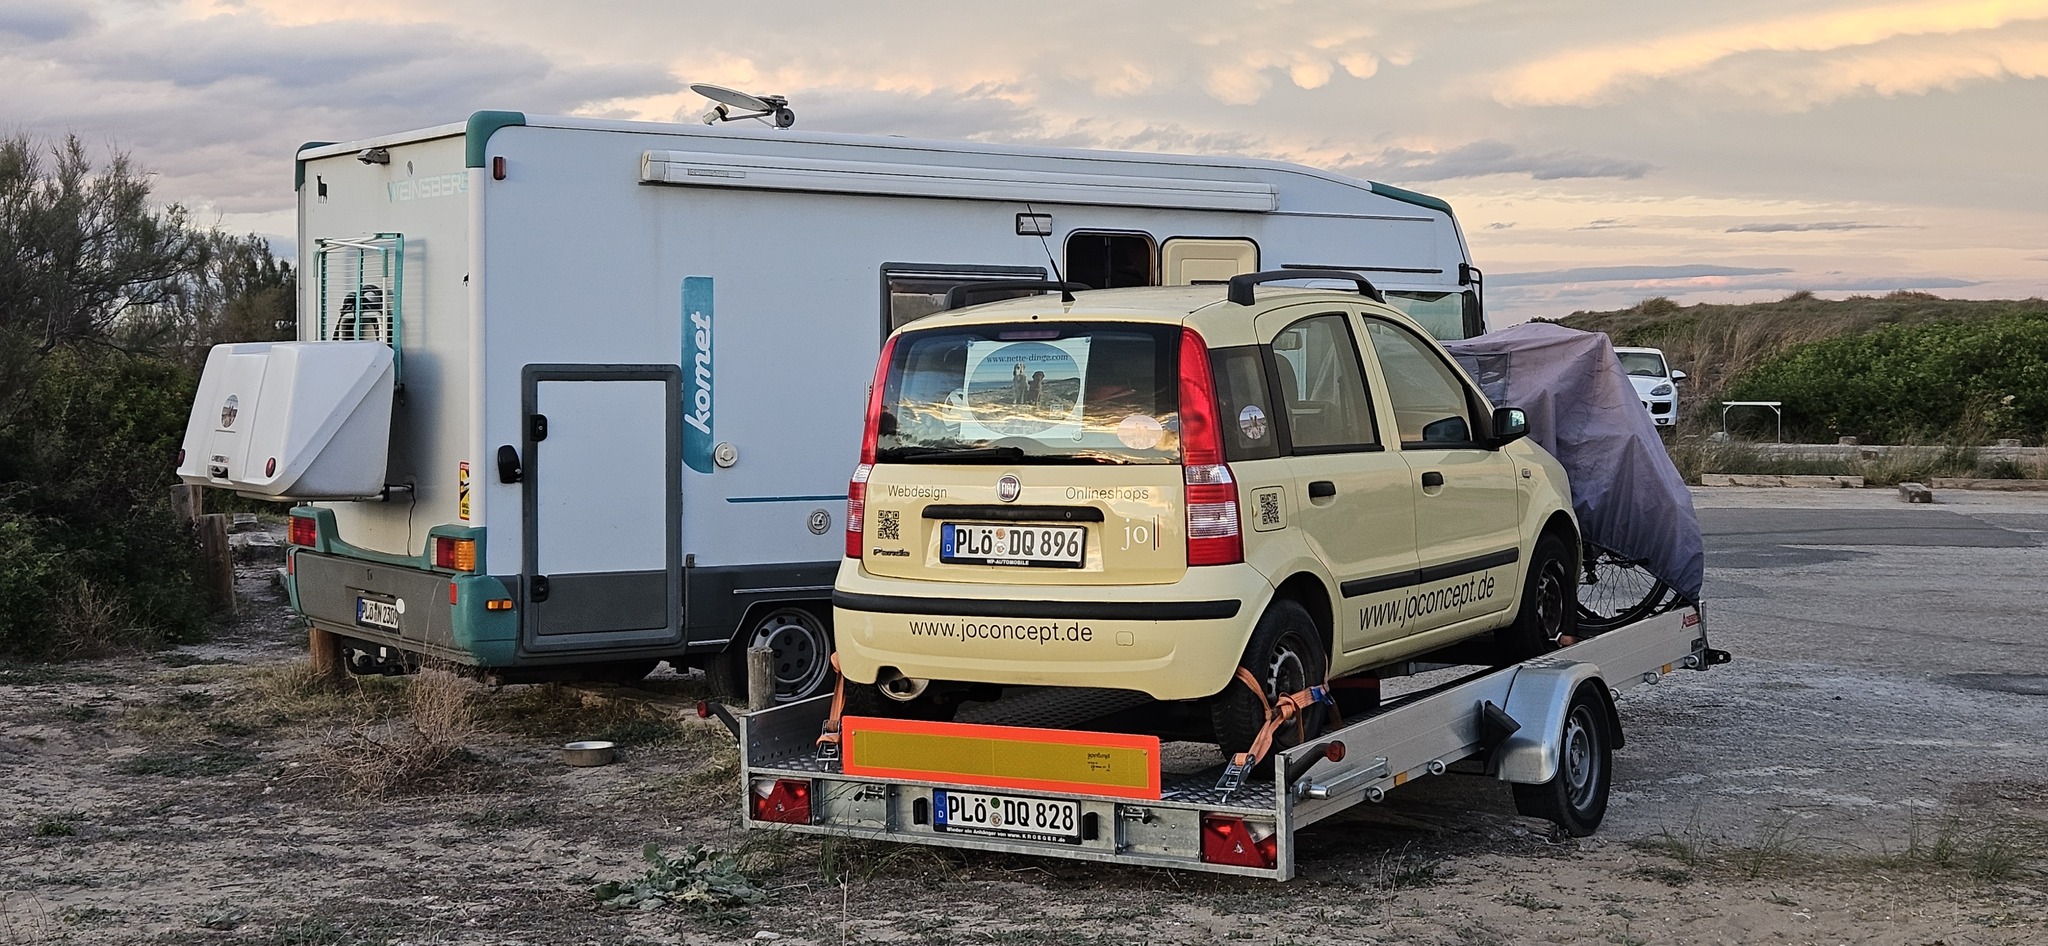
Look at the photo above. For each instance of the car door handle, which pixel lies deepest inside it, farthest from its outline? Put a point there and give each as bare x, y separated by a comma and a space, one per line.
1432, 479
1321, 489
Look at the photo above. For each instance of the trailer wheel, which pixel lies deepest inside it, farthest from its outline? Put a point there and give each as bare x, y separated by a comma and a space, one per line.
1286, 654
1549, 608
1575, 798
802, 643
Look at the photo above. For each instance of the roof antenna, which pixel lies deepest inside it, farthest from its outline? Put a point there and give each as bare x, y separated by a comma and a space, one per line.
1066, 295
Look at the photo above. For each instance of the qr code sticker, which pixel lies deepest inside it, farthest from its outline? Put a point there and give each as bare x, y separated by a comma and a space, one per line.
1269, 508
889, 526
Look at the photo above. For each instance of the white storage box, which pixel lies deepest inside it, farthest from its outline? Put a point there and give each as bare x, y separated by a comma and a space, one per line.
292, 420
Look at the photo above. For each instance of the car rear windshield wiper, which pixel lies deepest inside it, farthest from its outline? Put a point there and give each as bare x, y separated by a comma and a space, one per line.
948, 454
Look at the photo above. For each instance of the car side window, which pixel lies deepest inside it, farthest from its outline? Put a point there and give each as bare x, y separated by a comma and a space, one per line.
1431, 404
1244, 405
1320, 380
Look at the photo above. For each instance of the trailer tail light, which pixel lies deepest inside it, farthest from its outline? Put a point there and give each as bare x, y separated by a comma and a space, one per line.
458, 554
1214, 536
857, 485
304, 531
781, 800
1229, 839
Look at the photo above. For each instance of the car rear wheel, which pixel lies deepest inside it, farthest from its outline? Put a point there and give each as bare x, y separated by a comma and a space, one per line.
1286, 655
1549, 610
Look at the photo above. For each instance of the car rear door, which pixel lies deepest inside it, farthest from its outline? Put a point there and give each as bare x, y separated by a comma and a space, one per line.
1355, 506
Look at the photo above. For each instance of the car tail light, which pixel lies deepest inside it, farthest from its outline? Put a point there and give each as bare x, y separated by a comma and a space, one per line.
1229, 839
856, 509
304, 531
458, 554
781, 800
857, 486
1214, 536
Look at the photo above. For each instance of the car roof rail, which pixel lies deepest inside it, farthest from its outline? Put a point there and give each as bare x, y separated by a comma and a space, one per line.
1241, 286
961, 296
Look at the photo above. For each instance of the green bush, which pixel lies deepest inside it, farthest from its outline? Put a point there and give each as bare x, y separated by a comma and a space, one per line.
91, 554
1965, 382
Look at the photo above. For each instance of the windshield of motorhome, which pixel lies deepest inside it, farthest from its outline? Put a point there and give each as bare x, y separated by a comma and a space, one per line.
1070, 393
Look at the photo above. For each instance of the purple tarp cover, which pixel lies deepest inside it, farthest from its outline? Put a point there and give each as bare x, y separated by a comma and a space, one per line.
1582, 408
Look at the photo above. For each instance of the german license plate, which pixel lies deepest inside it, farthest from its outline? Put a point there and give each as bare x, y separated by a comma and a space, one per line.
963, 543
1005, 816
371, 612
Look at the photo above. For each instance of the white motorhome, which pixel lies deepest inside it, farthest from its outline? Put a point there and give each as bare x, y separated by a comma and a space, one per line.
574, 396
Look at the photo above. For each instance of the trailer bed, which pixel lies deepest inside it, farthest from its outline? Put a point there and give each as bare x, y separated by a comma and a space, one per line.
1501, 722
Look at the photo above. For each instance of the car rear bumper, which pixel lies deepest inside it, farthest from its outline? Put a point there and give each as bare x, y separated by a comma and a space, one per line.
1177, 641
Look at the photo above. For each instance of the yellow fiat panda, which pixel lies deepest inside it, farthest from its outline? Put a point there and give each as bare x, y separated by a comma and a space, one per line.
1147, 489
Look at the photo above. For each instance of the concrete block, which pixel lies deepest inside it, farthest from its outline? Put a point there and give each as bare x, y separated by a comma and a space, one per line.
1915, 493
257, 548
242, 522
1794, 482
2001, 486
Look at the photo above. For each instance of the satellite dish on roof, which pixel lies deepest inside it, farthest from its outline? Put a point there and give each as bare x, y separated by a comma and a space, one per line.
769, 109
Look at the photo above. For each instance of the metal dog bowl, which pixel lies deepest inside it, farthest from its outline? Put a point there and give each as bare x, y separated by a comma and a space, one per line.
588, 753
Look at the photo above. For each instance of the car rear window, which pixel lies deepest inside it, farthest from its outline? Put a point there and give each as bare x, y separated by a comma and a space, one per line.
1071, 393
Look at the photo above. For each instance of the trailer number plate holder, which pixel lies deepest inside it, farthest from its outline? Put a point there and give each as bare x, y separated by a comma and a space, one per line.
371, 612
1023, 818
963, 543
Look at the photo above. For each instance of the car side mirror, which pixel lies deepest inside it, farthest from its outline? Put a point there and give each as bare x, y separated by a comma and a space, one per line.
1509, 425
1677, 375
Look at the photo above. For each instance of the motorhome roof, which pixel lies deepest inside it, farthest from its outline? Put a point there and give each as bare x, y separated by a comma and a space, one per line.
1135, 304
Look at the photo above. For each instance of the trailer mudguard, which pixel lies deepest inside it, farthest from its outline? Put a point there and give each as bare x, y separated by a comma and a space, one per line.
1537, 700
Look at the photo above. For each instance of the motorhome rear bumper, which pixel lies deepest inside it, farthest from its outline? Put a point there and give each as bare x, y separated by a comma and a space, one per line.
327, 589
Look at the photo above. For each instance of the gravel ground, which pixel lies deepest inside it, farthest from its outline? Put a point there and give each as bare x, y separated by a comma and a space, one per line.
1868, 770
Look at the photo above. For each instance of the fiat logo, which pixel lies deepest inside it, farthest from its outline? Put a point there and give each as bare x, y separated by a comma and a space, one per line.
1009, 488
229, 410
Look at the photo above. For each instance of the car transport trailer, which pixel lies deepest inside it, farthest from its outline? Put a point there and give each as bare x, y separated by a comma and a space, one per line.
1547, 725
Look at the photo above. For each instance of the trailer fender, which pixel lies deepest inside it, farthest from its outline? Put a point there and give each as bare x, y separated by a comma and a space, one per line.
1537, 699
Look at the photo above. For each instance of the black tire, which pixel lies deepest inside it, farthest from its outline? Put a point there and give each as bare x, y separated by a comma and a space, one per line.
1614, 590
1575, 798
867, 699
1286, 654
802, 642
1549, 608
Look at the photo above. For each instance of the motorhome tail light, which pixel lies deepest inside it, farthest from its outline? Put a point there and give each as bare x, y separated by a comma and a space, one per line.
304, 532
498, 604
1214, 536
856, 509
458, 554
781, 800
1229, 839
857, 486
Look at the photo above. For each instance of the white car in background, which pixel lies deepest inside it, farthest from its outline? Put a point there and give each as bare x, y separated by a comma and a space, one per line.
1656, 383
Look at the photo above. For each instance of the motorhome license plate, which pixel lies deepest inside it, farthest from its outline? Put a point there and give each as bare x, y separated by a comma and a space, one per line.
371, 612
1005, 816
964, 543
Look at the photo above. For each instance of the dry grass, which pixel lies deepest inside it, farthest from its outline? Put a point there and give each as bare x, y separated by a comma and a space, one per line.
426, 747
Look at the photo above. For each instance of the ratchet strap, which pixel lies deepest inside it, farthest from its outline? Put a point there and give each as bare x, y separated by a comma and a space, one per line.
1279, 712
828, 740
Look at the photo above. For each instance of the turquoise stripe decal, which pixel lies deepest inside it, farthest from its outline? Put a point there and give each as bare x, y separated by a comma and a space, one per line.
784, 499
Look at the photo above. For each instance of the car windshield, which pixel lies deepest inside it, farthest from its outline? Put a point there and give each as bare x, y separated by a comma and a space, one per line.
1075, 393
1642, 364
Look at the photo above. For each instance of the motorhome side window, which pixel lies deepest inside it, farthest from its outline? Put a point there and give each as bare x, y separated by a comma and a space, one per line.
911, 295
1431, 404
1317, 366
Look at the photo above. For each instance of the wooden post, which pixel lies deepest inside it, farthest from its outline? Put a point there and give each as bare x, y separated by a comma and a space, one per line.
220, 561
325, 646
760, 678
188, 501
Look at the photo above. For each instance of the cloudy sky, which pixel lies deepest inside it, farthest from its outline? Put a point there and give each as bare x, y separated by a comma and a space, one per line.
1597, 152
